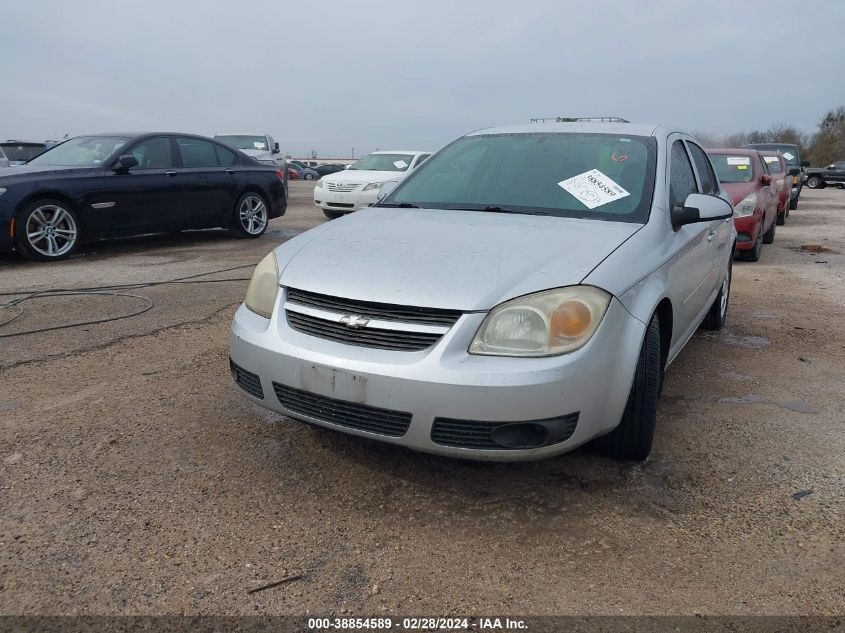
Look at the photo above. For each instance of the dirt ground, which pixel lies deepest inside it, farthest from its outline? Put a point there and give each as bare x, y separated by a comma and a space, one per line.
136, 479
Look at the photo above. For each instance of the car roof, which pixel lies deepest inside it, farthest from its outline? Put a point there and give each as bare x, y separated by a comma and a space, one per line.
733, 151
586, 127
767, 145
400, 151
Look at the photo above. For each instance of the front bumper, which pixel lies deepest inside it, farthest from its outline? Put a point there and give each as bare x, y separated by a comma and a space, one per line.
344, 202
446, 382
747, 229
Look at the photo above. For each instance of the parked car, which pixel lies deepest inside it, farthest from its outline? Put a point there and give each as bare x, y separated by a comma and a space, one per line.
19, 152
745, 177
358, 186
781, 182
261, 147
833, 174
325, 170
100, 186
4, 161
792, 155
520, 294
305, 172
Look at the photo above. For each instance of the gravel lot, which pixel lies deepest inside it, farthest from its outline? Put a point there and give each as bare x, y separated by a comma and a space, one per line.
136, 479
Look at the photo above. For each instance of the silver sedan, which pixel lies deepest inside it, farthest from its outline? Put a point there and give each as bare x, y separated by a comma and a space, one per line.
520, 294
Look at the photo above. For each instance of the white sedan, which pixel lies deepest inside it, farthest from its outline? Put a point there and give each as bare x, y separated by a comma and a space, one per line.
358, 186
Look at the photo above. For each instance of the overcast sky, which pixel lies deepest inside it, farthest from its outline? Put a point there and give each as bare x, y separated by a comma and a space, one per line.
329, 76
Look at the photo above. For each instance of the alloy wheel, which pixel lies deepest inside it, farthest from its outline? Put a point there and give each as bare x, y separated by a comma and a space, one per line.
51, 230
253, 215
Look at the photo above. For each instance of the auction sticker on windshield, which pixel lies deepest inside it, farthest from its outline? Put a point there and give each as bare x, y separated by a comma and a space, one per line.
400, 164
593, 189
739, 160
788, 156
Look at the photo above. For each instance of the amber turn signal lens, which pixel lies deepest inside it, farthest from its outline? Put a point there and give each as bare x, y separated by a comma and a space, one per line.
570, 319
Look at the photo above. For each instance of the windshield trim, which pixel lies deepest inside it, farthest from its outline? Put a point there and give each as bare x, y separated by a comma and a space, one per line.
640, 215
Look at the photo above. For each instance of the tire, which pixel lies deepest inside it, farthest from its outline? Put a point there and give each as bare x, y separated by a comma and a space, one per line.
753, 254
769, 236
250, 216
814, 182
793, 204
632, 439
781, 220
718, 313
47, 230
332, 215
308, 177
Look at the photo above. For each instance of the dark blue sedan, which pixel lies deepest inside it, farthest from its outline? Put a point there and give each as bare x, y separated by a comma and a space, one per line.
109, 185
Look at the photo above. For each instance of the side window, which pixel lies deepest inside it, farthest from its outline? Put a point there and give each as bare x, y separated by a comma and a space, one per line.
709, 184
682, 178
154, 153
196, 152
225, 156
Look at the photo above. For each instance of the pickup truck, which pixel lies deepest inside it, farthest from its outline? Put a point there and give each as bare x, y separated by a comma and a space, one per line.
261, 147
792, 156
821, 177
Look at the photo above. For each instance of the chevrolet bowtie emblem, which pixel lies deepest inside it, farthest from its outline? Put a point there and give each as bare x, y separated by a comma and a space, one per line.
354, 321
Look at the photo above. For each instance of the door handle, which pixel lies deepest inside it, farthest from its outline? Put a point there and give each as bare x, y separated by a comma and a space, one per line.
711, 235
170, 173
231, 172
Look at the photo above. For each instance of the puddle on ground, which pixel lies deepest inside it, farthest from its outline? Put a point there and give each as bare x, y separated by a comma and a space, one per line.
814, 248
754, 342
735, 375
792, 405
8, 405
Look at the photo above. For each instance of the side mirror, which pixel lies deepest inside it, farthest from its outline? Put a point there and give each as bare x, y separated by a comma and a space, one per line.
125, 163
386, 189
699, 207
794, 171
276, 149
766, 179
831, 166
805, 163
348, 166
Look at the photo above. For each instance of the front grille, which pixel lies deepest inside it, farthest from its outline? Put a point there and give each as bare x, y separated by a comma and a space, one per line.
373, 310
477, 435
247, 381
348, 414
345, 187
364, 337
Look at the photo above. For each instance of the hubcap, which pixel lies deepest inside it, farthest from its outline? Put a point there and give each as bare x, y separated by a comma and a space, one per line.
726, 285
51, 230
253, 215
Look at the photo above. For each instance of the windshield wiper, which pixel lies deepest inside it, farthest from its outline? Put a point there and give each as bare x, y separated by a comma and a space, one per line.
401, 205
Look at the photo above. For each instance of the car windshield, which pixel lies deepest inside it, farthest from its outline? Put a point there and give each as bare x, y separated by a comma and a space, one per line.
774, 164
789, 153
243, 142
82, 151
384, 162
22, 151
732, 168
595, 176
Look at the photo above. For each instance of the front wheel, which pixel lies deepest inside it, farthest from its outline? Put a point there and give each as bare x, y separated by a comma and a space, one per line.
753, 254
814, 182
47, 230
769, 236
309, 177
250, 218
718, 313
632, 439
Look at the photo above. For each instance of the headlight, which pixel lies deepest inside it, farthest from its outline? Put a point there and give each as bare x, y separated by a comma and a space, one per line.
263, 287
746, 206
322, 183
373, 185
547, 323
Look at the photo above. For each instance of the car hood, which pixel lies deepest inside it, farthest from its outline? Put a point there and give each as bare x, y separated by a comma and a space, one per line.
738, 190
461, 260
364, 175
24, 172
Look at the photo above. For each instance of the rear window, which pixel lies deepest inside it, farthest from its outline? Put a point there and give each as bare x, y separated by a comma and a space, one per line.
22, 151
732, 168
